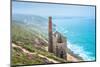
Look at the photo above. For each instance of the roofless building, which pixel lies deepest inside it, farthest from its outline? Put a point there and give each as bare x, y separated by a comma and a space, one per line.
57, 42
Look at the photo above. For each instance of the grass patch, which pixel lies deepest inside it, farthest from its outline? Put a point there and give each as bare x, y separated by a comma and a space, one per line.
21, 58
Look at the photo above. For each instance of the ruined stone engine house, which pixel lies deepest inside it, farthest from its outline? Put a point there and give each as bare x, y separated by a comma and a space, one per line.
57, 42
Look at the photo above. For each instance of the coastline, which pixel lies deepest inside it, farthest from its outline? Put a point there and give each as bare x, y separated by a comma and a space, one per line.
72, 57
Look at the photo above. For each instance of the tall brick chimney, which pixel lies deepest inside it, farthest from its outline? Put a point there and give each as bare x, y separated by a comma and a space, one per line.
50, 46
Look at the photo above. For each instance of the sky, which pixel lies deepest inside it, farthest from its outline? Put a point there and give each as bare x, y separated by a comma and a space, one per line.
59, 10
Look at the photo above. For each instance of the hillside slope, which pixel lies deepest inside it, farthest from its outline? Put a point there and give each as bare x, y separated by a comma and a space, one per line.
32, 41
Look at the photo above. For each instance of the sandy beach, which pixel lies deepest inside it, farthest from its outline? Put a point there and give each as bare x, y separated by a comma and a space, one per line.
71, 58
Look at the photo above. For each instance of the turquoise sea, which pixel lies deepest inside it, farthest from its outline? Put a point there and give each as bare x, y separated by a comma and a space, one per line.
80, 34
78, 27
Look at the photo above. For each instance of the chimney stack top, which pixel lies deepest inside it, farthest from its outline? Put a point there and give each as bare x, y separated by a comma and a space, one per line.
50, 17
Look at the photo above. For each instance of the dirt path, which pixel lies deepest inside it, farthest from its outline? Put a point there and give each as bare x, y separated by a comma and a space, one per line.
26, 51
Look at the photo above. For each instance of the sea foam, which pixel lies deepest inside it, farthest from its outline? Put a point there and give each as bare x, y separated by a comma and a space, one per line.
80, 51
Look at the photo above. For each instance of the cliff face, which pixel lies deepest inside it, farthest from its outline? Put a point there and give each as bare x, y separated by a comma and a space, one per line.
30, 44
30, 47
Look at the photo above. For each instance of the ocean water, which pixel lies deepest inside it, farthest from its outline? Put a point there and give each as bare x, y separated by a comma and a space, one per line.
80, 34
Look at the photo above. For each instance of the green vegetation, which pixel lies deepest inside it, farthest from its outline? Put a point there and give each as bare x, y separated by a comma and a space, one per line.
20, 58
24, 37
